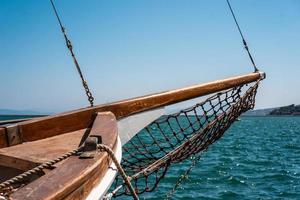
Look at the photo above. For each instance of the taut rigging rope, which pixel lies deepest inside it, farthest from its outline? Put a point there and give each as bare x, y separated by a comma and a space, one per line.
242, 36
70, 47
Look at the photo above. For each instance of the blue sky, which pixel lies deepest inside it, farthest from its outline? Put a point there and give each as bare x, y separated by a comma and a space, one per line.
134, 47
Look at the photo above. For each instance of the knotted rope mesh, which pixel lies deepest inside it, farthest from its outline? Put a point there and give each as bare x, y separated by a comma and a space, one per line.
175, 137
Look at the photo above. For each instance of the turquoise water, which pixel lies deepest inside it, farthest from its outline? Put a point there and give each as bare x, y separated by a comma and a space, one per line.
257, 158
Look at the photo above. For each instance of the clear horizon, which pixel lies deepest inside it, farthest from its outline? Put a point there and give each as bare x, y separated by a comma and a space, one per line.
133, 48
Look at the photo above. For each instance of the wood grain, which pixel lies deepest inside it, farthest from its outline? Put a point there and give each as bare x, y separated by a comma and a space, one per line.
3, 138
79, 119
74, 173
41, 151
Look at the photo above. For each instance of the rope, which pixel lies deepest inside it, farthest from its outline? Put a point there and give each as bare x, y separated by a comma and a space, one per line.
120, 169
183, 177
37, 169
7, 185
70, 47
242, 36
175, 137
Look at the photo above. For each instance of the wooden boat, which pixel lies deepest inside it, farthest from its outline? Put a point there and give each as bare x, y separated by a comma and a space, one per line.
86, 174
77, 154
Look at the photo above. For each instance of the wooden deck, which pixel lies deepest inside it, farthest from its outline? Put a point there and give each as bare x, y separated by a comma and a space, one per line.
29, 154
72, 178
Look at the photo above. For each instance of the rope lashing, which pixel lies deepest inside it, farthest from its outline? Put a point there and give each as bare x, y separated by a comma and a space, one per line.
36, 169
120, 169
183, 177
242, 36
8, 185
70, 47
174, 138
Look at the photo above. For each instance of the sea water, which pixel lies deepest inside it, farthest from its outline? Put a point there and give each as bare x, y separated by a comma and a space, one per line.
257, 158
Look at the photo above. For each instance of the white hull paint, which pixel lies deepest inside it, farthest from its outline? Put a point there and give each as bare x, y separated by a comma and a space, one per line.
103, 186
127, 128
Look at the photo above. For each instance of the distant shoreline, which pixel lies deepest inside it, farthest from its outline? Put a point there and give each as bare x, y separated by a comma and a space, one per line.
290, 110
11, 118
270, 116
21, 115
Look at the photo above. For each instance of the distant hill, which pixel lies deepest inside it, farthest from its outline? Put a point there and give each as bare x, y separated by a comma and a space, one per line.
287, 110
259, 112
19, 112
284, 110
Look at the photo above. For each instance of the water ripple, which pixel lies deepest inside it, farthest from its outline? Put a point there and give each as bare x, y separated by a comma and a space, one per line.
258, 158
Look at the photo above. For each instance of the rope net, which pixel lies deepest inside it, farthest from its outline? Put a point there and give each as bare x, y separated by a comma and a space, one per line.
176, 137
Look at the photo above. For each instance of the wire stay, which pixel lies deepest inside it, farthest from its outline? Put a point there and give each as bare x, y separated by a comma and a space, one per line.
70, 47
242, 36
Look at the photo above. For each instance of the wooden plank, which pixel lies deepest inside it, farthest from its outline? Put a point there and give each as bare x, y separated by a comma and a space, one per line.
73, 173
84, 189
40, 151
3, 138
17, 163
79, 119
8, 173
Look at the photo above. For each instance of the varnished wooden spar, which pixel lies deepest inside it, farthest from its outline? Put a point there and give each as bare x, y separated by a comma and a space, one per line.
61, 123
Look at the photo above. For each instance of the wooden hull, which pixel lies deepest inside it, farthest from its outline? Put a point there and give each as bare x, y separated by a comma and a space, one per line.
104, 184
73, 177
